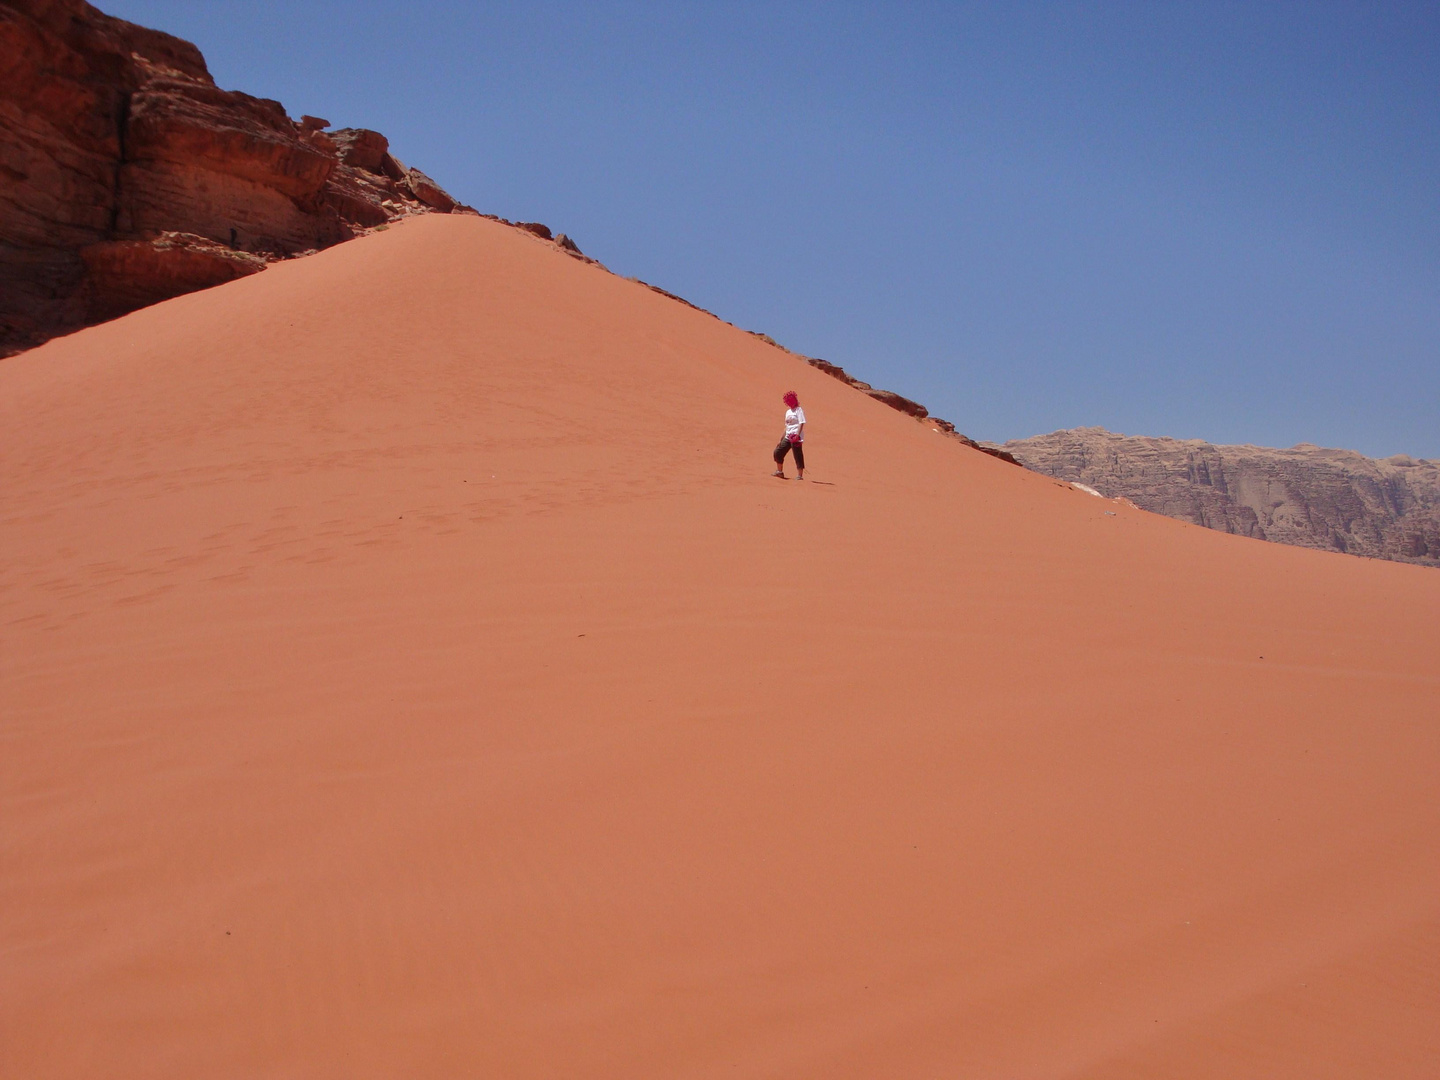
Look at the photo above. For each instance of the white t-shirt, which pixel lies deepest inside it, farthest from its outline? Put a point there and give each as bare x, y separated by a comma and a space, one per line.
793, 419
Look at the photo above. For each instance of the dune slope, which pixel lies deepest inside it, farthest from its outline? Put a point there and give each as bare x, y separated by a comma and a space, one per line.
408, 668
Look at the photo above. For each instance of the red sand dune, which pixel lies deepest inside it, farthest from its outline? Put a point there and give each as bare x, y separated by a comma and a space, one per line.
409, 668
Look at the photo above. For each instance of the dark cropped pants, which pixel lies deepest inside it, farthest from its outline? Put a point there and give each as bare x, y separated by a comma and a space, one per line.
785, 446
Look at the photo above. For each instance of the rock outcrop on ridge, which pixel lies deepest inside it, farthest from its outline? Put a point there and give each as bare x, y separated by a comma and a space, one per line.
835, 371
1313, 497
905, 405
128, 177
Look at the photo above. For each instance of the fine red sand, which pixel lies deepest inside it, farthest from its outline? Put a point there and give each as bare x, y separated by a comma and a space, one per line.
409, 668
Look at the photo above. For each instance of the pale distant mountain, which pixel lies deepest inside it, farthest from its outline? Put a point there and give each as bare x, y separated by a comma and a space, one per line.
1310, 496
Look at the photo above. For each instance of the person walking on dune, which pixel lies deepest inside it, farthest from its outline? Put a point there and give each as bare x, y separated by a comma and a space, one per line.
794, 439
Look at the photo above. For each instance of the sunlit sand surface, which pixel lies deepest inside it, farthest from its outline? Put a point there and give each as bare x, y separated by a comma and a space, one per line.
408, 667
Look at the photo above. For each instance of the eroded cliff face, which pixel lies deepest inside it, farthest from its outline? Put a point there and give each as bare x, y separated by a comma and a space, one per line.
127, 176
1313, 497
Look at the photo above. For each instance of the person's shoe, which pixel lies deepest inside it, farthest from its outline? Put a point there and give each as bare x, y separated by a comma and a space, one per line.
780, 474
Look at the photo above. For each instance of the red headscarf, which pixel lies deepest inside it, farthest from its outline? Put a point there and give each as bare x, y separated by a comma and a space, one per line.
792, 399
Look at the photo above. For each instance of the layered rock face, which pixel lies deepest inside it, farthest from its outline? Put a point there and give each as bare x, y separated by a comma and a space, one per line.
127, 176
1313, 497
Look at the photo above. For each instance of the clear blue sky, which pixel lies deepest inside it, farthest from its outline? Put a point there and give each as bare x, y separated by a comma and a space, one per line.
1214, 220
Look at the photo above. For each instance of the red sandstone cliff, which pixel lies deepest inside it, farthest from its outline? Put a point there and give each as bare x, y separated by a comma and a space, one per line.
127, 176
